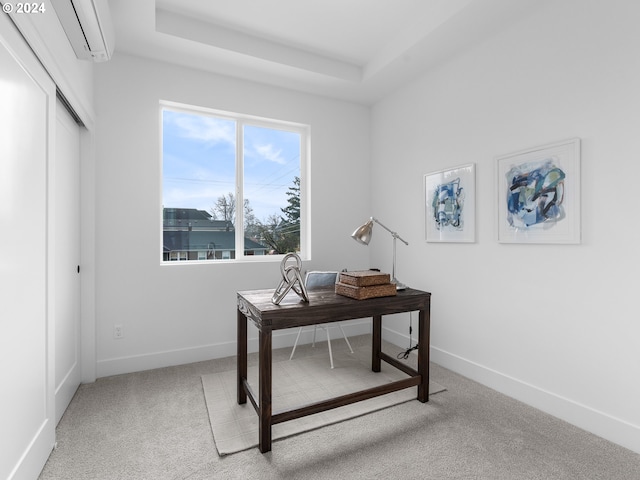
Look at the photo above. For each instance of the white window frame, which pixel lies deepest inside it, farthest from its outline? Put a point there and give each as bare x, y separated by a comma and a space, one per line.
242, 120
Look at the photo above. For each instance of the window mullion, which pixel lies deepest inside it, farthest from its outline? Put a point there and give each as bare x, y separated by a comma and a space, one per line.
239, 224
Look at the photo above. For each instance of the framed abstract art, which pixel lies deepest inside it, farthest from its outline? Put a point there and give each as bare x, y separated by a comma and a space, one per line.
450, 204
539, 194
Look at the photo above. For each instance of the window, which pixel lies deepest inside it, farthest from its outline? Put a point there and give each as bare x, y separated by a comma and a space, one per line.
233, 186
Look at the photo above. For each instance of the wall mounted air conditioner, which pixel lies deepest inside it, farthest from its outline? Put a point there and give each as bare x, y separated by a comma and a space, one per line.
88, 26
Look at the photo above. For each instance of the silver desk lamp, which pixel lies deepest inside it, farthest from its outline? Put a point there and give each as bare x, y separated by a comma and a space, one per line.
363, 235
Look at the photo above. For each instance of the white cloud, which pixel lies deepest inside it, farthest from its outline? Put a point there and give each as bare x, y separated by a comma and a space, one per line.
268, 152
206, 129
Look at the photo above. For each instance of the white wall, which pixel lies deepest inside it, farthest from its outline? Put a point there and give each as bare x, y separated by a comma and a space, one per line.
556, 326
180, 313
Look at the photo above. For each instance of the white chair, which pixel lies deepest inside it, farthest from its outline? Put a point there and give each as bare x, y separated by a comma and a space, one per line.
314, 280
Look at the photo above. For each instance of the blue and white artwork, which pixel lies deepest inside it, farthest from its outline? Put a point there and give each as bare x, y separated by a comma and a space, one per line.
535, 194
450, 205
539, 194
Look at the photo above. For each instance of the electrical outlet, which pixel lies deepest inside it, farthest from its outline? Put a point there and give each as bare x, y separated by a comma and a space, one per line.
118, 332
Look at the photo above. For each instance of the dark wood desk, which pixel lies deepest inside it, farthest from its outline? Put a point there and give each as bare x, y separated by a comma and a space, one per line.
325, 306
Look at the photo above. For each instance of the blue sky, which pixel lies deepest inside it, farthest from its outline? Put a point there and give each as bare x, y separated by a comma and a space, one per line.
199, 163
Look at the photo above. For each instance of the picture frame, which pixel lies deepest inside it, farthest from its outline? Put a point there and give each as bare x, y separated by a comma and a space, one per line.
450, 204
538, 194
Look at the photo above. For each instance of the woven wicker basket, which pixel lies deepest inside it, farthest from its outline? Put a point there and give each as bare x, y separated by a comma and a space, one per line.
364, 278
362, 293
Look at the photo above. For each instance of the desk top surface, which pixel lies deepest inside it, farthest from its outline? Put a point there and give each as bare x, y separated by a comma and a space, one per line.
324, 306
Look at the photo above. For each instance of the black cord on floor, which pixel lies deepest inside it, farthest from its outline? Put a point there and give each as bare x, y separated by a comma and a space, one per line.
404, 355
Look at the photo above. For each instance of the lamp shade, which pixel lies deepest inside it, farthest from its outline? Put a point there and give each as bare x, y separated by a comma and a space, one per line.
363, 233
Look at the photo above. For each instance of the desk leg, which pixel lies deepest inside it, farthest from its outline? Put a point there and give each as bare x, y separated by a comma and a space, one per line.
264, 415
376, 344
241, 358
424, 326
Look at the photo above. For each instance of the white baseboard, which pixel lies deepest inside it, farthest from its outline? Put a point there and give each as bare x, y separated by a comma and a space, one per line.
281, 339
599, 423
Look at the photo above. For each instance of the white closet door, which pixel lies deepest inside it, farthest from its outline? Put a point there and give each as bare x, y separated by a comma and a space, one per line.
27, 106
66, 206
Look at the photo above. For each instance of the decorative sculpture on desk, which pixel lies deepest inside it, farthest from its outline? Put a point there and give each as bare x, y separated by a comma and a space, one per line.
291, 280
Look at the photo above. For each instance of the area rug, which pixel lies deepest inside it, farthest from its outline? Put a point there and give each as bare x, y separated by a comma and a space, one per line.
297, 382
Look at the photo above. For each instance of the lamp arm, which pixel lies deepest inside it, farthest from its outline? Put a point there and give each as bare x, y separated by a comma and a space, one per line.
395, 234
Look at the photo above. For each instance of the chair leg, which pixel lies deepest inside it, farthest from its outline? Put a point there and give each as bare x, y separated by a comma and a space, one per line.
296, 343
329, 344
345, 337
326, 329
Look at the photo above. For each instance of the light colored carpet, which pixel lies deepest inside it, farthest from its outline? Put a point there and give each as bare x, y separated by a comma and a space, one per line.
154, 425
299, 382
